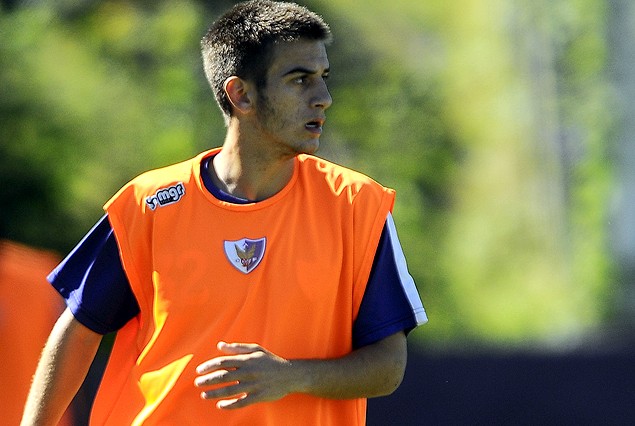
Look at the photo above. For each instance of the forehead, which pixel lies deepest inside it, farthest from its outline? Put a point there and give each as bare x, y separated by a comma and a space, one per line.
306, 54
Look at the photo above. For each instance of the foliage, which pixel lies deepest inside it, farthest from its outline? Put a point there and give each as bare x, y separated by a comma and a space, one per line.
486, 116
527, 96
94, 99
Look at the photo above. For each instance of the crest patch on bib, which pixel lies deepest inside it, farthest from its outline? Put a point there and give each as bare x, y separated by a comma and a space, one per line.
245, 254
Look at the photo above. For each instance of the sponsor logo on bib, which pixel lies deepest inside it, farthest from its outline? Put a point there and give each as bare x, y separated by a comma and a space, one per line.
166, 196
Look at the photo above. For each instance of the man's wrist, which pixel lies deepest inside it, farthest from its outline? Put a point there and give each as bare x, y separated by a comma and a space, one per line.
302, 375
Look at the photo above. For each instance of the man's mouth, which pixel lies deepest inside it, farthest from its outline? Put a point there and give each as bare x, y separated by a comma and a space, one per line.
315, 126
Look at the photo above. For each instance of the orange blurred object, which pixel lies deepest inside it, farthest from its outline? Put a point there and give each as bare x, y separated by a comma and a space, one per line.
29, 307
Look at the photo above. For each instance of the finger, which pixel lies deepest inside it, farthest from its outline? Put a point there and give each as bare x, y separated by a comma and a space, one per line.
237, 354
233, 403
221, 362
238, 348
241, 401
226, 392
215, 378
212, 365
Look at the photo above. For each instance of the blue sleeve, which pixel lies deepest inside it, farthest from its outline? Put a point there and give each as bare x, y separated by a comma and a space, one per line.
391, 302
92, 281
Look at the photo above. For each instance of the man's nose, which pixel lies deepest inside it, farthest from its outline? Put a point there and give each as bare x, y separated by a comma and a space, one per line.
322, 97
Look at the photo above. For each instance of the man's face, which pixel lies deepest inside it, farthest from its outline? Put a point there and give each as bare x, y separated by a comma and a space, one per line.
290, 108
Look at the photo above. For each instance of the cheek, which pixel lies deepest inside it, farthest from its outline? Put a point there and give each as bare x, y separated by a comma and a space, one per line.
282, 114
280, 110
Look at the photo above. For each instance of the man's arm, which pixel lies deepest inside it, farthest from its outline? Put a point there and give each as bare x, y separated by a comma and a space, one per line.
65, 361
252, 374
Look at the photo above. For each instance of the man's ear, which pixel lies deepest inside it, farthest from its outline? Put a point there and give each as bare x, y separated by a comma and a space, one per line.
238, 93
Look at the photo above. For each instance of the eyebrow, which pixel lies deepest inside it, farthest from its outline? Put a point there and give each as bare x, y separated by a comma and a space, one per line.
302, 70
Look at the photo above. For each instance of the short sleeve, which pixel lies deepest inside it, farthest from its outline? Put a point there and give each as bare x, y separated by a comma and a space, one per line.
391, 302
92, 281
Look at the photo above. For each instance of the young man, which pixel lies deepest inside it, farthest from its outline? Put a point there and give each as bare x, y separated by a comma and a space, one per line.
254, 284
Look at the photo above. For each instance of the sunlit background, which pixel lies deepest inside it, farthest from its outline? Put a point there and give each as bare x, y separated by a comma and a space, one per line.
507, 128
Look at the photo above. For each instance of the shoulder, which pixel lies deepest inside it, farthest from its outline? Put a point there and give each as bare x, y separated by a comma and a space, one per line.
331, 170
156, 187
154, 179
339, 180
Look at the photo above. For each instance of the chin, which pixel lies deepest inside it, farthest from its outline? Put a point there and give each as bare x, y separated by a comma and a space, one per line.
310, 147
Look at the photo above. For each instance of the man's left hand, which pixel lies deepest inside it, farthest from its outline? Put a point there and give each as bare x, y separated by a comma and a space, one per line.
245, 375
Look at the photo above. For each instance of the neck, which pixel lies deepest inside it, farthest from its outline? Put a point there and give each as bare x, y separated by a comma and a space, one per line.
246, 169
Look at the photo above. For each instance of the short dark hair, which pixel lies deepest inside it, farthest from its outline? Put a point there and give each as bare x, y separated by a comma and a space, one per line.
240, 42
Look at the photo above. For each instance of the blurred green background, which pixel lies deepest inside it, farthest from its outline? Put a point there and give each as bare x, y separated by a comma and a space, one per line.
502, 124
